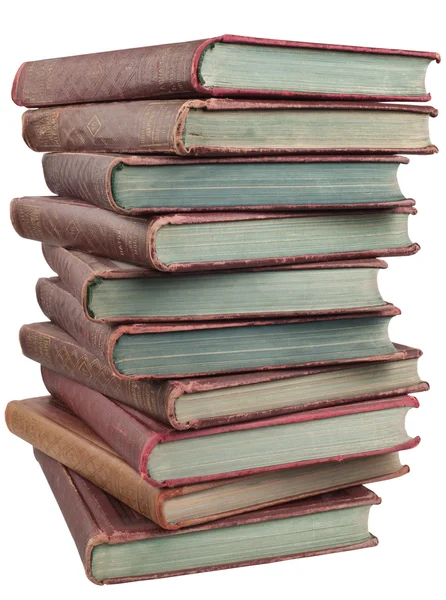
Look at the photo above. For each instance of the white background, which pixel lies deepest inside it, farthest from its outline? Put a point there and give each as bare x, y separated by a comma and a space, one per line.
40, 557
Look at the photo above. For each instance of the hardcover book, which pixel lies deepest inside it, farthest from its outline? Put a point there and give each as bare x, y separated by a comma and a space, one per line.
169, 458
138, 185
55, 431
214, 241
108, 534
217, 127
219, 400
170, 350
228, 65
115, 292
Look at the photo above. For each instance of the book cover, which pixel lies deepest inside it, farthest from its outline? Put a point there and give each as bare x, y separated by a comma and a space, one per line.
137, 438
51, 427
165, 127
168, 70
103, 340
95, 518
90, 177
57, 351
80, 226
81, 273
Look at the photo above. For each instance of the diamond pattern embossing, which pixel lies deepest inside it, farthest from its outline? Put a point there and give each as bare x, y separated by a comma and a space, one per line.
94, 125
73, 230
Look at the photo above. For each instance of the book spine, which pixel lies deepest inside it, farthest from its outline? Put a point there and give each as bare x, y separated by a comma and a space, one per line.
83, 176
65, 311
82, 227
76, 513
76, 272
75, 448
129, 127
154, 72
124, 433
71, 360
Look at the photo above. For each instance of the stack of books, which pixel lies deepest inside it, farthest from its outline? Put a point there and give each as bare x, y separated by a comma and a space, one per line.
217, 350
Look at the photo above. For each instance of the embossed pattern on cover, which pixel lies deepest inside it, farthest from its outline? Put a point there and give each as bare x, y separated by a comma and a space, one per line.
95, 518
78, 270
134, 436
144, 127
81, 226
57, 351
89, 178
167, 70
100, 338
52, 429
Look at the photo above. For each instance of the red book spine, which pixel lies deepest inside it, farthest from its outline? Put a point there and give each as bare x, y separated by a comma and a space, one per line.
125, 434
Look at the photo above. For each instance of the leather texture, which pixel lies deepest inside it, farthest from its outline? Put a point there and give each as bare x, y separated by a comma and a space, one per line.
52, 429
78, 270
145, 127
100, 338
89, 178
168, 70
94, 518
81, 226
133, 436
56, 351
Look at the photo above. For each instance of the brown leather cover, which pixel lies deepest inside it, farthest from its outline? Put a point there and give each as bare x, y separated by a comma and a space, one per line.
81, 226
78, 270
55, 350
133, 436
95, 518
168, 70
100, 338
144, 127
51, 427
89, 178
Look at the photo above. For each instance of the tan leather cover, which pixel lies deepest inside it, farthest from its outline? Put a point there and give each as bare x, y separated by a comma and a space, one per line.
52, 429
134, 436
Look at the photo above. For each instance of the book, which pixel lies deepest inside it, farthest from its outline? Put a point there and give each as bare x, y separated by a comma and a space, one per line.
141, 185
170, 350
219, 400
168, 458
115, 292
107, 533
227, 65
214, 241
55, 431
220, 126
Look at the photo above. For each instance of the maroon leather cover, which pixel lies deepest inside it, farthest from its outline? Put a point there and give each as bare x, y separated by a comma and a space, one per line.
134, 435
78, 270
168, 70
53, 429
100, 339
93, 518
145, 127
81, 226
56, 351
89, 178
